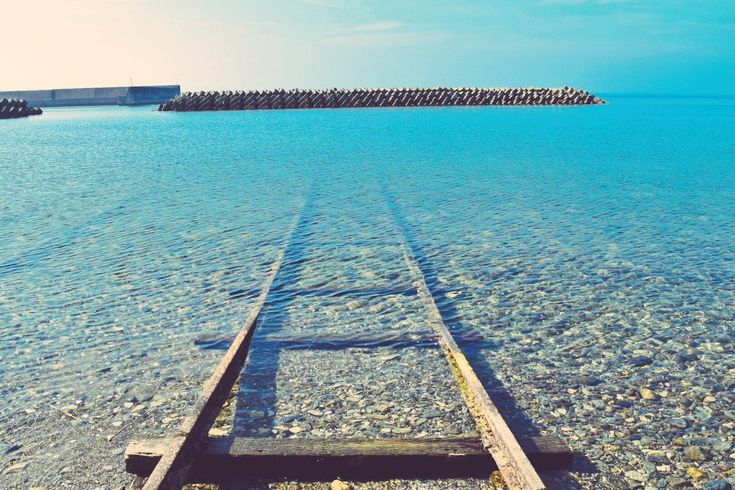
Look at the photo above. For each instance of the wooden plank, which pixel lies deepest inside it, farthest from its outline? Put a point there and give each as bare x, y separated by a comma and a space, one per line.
172, 470
325, 459
514, 465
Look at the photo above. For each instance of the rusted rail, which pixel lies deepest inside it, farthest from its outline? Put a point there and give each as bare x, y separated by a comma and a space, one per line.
172, 470
497, 438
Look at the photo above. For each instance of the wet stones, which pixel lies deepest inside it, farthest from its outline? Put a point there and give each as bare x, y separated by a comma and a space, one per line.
641, 361
403, 97
14, 108
719, 484
8, 448
695, 453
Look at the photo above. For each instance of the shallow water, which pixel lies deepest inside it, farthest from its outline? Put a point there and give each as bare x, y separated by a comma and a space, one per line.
559, 241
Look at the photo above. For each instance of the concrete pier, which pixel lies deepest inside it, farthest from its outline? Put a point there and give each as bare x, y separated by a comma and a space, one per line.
133, 95
376, 97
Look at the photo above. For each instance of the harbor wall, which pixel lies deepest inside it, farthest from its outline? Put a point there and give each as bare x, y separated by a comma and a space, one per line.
134, 95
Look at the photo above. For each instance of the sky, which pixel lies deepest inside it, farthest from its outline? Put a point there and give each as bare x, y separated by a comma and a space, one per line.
633, 46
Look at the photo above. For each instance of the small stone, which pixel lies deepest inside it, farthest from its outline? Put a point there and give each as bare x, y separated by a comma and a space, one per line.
676, 482
217, 432
16, 467
636, 476
339, 485
694, 453
695, 473
432, 413
451, 429
315, 413
657, 456
647, 394
719, 484
722, 446
641, 361
685, 357
8, 448
587, 380
353, 305
402, 430
679, 423
295, 429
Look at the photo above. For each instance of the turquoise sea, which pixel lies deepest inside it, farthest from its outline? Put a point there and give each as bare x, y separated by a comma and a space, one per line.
585, 255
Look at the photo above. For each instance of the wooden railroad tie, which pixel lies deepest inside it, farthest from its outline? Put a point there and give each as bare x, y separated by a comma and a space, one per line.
227, 458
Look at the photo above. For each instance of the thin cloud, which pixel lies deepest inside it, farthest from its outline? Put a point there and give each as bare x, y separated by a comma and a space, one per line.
385, 25
341, 4
385, 39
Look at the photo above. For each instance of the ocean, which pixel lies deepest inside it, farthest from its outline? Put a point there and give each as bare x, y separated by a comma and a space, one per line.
584, 255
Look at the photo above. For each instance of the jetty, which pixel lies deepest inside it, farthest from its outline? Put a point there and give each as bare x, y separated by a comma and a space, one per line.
193, 455
13, 108
335, 98
127, 96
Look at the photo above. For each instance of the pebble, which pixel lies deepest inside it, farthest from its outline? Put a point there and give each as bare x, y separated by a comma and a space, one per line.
647, 394
9, 448
694, 453
719, 484
16, 467
339, 485
432, 413
695, 473
641, 361
636, 476
402, 430
676, 482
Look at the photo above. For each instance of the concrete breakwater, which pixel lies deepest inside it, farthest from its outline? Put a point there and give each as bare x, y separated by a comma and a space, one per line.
376, 97
12, 108
64, 97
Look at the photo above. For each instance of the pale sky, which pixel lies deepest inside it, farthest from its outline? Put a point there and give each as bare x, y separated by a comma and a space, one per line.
642, 46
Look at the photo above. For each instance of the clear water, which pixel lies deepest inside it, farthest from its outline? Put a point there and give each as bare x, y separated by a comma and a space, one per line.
126, 234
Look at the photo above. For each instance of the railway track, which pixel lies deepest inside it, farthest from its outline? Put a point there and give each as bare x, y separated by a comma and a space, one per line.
191, 456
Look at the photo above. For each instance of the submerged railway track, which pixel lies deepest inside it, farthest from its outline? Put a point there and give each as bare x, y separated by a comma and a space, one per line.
190, 455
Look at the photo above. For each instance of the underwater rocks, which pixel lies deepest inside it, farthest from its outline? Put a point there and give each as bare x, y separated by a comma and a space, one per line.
375, 97
13, 108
